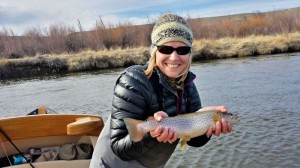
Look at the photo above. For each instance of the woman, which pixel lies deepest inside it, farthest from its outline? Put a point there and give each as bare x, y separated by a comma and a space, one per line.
163, 87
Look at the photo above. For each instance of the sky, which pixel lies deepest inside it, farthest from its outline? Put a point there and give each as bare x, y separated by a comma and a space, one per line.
22, 15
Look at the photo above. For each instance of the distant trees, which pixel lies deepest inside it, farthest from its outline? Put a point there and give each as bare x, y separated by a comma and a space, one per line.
60, 38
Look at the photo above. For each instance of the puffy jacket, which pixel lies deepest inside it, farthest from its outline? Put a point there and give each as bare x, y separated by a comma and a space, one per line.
138, 97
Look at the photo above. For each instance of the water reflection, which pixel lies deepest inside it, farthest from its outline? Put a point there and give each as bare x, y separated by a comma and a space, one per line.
264, 91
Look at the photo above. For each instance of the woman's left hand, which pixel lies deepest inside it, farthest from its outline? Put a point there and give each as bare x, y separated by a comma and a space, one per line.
163, 134
221, 126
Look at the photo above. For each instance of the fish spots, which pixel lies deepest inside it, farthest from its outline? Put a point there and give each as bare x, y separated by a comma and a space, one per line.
192, 124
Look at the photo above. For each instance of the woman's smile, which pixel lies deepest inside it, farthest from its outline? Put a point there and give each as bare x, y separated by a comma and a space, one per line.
172, 65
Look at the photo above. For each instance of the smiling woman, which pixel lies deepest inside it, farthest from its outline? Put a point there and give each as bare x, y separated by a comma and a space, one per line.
162, 88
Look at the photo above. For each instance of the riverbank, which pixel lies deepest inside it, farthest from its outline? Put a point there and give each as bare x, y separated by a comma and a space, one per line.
203, 49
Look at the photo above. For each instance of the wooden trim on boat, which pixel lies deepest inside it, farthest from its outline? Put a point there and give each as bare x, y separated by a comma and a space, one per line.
85, 125
42, 125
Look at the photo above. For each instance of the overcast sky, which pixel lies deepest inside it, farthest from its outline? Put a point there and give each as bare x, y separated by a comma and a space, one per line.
20, 15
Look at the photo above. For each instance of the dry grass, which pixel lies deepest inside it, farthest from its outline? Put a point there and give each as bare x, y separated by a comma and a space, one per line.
248, 46
61, 38
106, 59
63, 63
88, 60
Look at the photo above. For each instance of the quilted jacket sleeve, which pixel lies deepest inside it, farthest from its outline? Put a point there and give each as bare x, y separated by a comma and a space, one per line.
132, 94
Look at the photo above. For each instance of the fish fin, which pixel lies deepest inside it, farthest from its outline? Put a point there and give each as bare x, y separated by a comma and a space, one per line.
151, 118
187, 137
182, 144
135, 132
184, 141
205, 109
216, 117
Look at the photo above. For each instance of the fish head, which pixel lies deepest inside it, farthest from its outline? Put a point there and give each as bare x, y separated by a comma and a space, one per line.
231, 118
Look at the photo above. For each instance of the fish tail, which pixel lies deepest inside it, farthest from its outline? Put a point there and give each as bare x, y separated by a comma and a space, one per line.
135, 131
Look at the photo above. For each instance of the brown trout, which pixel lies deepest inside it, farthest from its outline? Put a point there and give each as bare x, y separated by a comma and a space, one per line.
187, 126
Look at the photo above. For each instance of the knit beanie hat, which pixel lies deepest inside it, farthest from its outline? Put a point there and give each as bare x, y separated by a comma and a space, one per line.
169, 28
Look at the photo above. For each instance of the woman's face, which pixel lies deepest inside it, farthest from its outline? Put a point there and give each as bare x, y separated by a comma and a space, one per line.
172, 64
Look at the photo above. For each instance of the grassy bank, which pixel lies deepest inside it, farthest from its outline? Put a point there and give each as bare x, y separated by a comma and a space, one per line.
106, 59
249, 46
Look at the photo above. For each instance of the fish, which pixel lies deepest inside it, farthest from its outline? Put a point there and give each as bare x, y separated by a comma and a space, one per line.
186, 126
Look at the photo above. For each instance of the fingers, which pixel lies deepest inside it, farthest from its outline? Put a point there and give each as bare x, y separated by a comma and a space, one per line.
229, 127
226, 127
222, 109
156, 132
209, 132
160, 115
222, 127
173, 138
164, 134
217, 129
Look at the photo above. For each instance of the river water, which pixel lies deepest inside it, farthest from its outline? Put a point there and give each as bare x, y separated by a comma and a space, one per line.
264, 91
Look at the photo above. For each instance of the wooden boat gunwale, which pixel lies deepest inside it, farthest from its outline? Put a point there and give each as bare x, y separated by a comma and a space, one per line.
30, 126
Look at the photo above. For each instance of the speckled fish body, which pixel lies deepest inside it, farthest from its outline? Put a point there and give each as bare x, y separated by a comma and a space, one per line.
186, 126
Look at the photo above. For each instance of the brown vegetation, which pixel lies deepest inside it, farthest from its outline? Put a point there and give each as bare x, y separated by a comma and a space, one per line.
62, 63
93, 60
59, 38
248, 46
61, 49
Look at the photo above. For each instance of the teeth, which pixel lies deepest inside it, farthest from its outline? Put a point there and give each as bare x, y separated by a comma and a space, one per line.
172, 65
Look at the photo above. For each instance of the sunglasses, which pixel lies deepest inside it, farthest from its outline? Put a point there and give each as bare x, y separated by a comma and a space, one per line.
169, 50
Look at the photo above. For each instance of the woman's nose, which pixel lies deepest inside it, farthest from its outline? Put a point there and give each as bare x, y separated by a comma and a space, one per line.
174, 56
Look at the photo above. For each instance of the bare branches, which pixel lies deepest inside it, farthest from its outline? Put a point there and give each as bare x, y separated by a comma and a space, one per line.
62, 38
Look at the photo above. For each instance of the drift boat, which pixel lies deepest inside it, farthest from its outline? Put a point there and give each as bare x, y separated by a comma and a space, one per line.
24, 139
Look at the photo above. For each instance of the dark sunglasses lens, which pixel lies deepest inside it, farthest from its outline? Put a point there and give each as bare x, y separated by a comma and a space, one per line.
165, 49
169, 50
183, 50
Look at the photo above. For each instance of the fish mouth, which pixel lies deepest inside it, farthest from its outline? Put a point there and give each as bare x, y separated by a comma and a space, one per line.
232, 118
235, 119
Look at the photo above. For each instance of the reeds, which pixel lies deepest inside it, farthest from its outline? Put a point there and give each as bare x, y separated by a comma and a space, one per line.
248, 46
61, 38
115, 58
60, 49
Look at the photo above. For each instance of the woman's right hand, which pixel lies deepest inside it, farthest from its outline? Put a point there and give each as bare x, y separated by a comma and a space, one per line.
163, 134
221, 126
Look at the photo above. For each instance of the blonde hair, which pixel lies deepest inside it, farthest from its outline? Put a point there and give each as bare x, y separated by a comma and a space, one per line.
151, 65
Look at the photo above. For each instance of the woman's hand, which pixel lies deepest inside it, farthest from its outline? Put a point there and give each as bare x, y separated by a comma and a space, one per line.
163, 134
221, 127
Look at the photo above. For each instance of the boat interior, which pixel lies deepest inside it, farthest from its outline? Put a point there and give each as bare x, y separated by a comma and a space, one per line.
23, 145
